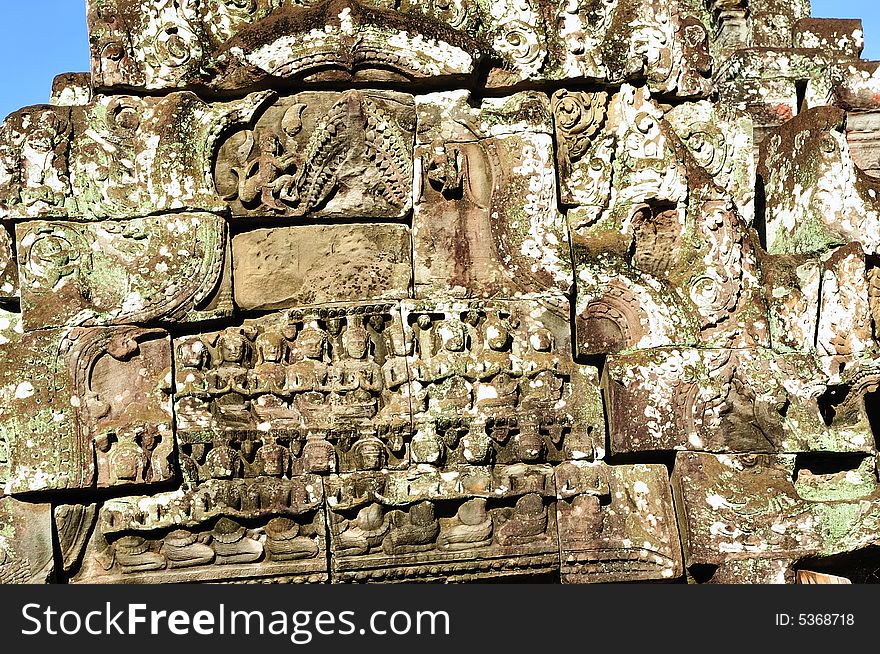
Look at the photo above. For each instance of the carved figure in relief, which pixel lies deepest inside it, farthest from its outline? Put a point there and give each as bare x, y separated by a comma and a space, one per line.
471, 527
363, 534
184, 549
450, 391
357, 380
412, 531
233, 543
307, 379
285, 542
227, 382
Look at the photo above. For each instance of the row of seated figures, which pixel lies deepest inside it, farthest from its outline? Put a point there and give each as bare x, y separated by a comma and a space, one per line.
357, 392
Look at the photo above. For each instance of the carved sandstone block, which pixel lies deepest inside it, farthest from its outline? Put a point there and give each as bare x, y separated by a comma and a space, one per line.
85, 407
463, 524
816, 198
117, 157
495, 381
26, 555
486, 222
770, 510
306, 265
306, 390
662, 253
616, 523
172, 268
225, 530
230, 46
723, 401
322, 154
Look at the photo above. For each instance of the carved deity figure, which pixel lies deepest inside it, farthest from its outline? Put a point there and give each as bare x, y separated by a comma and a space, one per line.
357, 379
451, 390
307, 379
496, 388
227, 382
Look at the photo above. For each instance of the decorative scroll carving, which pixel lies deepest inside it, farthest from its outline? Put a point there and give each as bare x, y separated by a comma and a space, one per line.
322, 154
118, 272
117, 157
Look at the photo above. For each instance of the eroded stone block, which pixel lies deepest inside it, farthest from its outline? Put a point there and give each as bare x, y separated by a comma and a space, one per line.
466, 523
762, 514
172, 268
724, 401
26, 555
495, 381
118, 157
308, 265
84, 408
616, 523
228, 530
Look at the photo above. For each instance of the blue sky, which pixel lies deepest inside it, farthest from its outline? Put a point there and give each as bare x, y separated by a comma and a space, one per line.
42, 38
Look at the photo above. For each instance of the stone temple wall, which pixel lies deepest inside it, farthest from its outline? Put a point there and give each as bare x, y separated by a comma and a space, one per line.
449, 290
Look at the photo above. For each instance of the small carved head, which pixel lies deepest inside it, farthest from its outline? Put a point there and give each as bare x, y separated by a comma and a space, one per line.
270, 347
356, 342
233, 347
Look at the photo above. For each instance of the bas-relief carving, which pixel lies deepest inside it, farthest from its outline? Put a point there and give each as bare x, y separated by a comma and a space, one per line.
663, 254
313, 391
727, 401
486, 222
115, 158
474, 266
467, 523
495, 382
85, 408
173, 268
224, 530
616, 523
322, 155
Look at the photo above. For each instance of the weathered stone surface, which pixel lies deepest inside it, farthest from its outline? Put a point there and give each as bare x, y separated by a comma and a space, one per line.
765, 513
84, 407
26, 555
464, 524
486, 223
172, 268
352, 290
341, 155
9, 288
308, 265
616, 523
226, 530
725, 401
71, 90
662, 253
117, 157
816, 197
495, 381
319, 390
